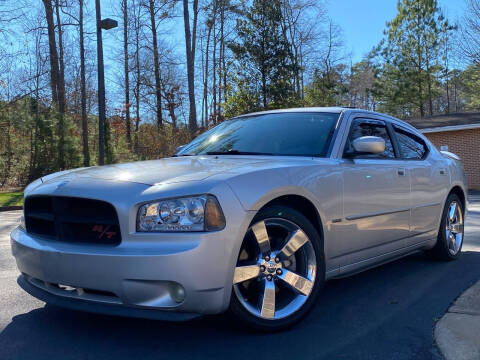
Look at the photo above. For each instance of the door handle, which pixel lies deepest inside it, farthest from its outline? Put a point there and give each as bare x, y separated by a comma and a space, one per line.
401, 172
443, 172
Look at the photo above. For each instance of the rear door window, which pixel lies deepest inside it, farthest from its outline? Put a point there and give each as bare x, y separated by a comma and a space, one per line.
411, 146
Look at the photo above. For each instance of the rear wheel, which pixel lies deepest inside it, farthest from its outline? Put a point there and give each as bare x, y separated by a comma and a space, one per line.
450, 235
279, 270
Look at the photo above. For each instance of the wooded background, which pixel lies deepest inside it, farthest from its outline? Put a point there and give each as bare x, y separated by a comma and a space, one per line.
234, 57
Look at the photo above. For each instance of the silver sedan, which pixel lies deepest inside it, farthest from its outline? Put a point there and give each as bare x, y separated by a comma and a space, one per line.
253, 216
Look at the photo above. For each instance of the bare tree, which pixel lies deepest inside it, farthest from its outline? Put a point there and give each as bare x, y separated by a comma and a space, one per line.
206, 72
214, 61
52, 46
56, 83
126, 73
86, 151
137, 24
61, 62
190, 40
470, 46
158, 91
302, 28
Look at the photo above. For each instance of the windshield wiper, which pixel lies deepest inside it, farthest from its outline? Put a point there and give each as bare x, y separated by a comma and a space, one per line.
237, 152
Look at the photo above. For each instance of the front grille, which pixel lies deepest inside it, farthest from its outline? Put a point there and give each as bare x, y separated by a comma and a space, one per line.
74, 220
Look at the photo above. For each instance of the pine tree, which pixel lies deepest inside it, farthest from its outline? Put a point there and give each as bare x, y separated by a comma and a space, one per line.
413, 44
264, 54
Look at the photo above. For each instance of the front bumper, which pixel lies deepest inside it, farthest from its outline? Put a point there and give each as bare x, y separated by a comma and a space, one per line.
131, 279
146, 271
34, 288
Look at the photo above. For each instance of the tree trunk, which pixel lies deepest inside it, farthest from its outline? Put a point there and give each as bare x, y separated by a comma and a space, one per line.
190, 51
158, 93
170, 97
302, 92
420, 95
202, 117
214, 79
447, 76
455, 92
205, 85
8, 162
194, 27
288, 29
37, 112
52, 46
137, 83
61, 80
221, 59
429, 87
224, 62
58, 98
419, 65
101, 88
86, 151
214, 65
448, 94
263, 71
127, 75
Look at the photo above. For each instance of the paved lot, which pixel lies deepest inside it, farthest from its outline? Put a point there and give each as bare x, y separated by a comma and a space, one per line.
456, 334
384, 313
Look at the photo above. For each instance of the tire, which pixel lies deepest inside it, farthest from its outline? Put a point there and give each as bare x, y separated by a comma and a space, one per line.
450, 235
271, 270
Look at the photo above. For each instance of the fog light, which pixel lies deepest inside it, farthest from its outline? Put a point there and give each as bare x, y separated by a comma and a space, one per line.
178, 293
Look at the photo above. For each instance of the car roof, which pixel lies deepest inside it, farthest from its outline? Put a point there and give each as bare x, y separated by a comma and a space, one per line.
333, 109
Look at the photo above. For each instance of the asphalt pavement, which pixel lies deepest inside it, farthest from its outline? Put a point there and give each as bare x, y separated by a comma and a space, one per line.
385, 313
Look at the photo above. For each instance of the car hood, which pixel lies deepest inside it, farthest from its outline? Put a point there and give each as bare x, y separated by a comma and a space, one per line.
163, 171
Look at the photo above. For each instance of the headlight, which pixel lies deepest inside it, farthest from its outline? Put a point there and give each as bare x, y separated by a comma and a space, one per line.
194, 213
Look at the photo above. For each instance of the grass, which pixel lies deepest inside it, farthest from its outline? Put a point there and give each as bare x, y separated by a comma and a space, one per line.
11, 198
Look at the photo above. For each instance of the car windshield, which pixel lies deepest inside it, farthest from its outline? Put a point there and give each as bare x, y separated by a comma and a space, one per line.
294, 134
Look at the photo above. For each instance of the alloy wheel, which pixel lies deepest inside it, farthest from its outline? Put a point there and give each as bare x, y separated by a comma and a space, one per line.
276, 269
454, 227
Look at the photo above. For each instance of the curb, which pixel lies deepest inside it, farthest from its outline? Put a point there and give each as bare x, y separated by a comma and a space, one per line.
10, 208
456, 334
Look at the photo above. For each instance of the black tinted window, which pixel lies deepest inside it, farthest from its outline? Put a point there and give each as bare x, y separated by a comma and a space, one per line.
304, 134
363, 127
411, 147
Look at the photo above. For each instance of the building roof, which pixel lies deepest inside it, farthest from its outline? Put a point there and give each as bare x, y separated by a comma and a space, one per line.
447, 122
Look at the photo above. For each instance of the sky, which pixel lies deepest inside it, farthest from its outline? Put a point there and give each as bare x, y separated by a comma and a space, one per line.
363, 21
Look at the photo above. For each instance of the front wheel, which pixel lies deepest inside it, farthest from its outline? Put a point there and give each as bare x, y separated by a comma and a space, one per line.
279, 271
450, 235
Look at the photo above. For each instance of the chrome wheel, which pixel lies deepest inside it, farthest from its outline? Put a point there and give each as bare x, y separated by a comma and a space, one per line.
276, 269
454, 227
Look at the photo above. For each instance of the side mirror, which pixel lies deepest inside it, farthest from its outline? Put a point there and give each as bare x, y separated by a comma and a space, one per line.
369, 145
